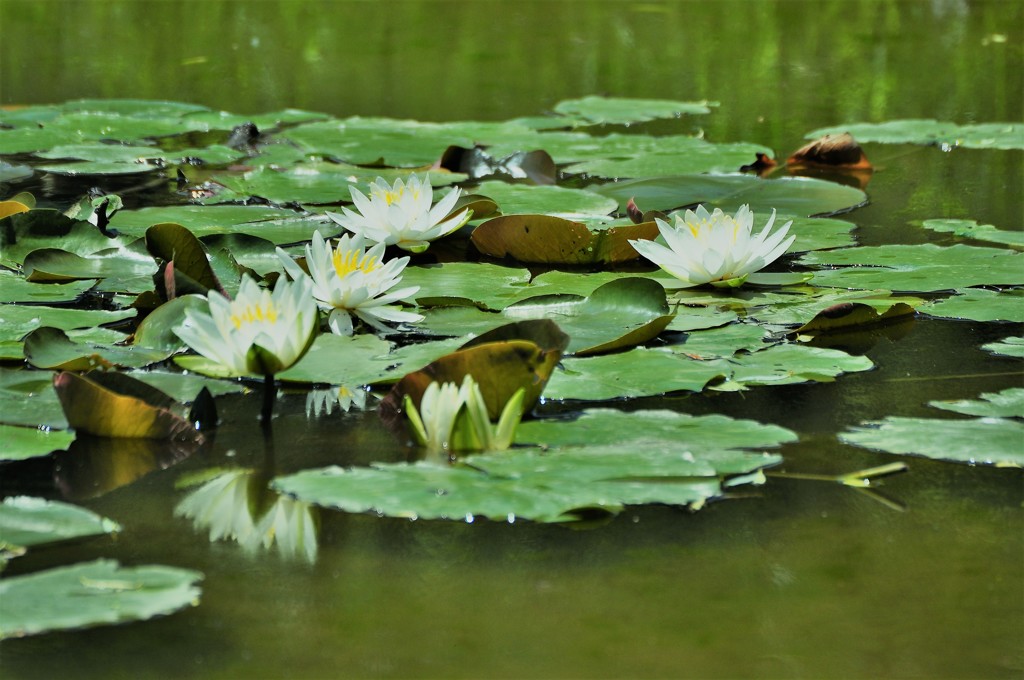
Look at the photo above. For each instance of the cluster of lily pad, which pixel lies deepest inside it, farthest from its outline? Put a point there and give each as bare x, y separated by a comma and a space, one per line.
310, 267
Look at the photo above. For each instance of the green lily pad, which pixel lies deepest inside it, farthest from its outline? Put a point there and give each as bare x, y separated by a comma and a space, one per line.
14, 288
569, 204
923, 267
91, 594
487, 285
979, 232
27, 398
620, 110
787, 364
1008, 347
27, 521
156, 331
637, 373
701, 157
29, 442
991, 441
979, 304
183, 387
51, 348
130, 269
340, 360
1006, 404
253, 252
664, 431
42, 228
978, 136
643, 457
273, 224
787, 195
17, 321
318, 183
175, 244
622, 313
721, 343
844, 316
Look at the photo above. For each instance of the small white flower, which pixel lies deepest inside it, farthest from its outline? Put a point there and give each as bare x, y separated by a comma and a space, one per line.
258, 332
452, 419
715, 248
401, 214
351, 280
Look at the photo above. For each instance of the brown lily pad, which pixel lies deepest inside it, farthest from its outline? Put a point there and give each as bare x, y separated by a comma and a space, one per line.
545, 239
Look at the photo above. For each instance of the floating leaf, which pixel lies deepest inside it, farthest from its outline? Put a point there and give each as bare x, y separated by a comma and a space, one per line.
52, 348
843, 316
619, 110
622, 313
788, 363
90, 594
994, 441
666, 156
923, 267
980, 232
978, 136
554, 240
17, 321
129, 270
25, 232
570, 204
488, 285
1009, 347
14, 288
27, 521
636, 373
1006, 404
28, 442
174, 243
273, 224
721, 343
661, 430
787, 195
27, 398
979, 304
117, 405
602, 461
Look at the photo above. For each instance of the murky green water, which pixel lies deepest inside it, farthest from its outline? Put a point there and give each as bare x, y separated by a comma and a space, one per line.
802, 579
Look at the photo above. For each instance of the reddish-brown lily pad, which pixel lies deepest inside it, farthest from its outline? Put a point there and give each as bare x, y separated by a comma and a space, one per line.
545, 239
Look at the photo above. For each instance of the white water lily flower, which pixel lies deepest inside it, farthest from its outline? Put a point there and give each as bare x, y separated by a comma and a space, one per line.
401, 214
258, 332
715, 248
452, 419
350, 280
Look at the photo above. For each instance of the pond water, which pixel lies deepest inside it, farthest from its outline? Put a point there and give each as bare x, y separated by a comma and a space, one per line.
795, 578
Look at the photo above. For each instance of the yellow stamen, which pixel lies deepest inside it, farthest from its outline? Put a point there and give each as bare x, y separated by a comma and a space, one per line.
254, 314
353, 260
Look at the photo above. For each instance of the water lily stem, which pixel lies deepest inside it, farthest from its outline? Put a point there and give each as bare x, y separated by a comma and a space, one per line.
269, 395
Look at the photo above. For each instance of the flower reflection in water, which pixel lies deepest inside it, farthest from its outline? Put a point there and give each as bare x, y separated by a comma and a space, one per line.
236, 505
321, 402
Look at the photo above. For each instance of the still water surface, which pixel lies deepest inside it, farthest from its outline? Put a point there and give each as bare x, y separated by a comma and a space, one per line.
801, 579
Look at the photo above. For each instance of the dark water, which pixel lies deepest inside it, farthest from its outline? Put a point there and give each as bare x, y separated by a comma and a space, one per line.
800, 579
